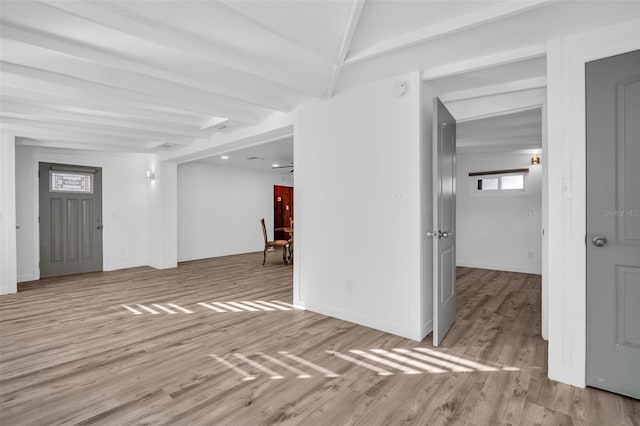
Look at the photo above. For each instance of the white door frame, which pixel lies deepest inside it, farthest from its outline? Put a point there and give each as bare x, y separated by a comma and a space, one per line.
566, 166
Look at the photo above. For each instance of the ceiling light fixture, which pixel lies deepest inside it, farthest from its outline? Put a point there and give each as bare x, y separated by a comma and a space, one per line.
275, 165
224, 157
214, 122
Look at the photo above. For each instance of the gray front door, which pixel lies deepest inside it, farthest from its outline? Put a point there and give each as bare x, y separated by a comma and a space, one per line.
444, 221
70, 219
613, 224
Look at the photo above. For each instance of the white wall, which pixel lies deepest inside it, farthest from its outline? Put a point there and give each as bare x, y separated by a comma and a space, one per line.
219, 209
495, 230
566, 165
163, 216
358, 200
8, 274
124, 205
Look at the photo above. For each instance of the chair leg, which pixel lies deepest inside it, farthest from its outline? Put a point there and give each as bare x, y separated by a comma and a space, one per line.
264, 257
284, 255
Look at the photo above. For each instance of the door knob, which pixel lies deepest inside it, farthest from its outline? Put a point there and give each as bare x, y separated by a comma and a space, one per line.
99, 227
430, 234
443, 234
599, 241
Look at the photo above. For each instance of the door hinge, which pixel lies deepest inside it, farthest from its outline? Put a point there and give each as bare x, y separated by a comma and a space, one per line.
38, 219
38, 174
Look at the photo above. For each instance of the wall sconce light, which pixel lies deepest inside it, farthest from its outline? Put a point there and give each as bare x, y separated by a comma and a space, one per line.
535, 159
150, 176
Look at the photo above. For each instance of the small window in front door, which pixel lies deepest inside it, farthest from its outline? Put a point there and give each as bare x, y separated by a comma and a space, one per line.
71, 182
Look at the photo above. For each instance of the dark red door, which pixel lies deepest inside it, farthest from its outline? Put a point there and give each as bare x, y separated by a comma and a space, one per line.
282, 210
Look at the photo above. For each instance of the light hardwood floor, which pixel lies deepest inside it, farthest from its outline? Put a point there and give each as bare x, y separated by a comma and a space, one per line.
71, 353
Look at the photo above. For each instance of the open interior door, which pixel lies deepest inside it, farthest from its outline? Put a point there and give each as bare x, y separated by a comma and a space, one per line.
444, 221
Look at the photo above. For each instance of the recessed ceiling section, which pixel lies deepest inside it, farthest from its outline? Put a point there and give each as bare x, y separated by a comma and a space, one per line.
258, 157
515, 71
383, 20
486, 34
318, 26
509, 132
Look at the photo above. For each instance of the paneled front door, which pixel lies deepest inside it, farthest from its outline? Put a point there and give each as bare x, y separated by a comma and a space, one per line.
70, 219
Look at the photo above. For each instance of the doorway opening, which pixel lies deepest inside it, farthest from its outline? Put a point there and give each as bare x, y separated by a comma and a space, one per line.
282, 212
70, 219
222, 199
500, 176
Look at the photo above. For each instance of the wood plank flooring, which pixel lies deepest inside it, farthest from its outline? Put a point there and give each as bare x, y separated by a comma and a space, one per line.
71, 353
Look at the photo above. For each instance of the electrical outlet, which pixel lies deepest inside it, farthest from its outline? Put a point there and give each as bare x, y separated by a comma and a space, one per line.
348, 286
532, 254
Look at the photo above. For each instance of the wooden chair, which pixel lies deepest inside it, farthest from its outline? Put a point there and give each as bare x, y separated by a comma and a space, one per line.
276, 243
291, 240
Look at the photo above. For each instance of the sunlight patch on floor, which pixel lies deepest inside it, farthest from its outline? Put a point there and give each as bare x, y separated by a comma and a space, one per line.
218, 307
382, 362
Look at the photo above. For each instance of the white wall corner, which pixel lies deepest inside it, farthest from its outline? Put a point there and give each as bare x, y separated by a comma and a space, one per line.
296, 117
544, 256
8, 261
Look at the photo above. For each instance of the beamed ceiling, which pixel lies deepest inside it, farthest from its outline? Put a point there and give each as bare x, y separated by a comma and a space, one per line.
145, 76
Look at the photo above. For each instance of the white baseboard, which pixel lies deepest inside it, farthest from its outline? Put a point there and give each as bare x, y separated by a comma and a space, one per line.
365, 321
28, 277
209, 255
124, 265
163, 266
507, 268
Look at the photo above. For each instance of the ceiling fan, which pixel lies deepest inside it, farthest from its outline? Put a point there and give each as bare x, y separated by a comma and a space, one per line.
283, 167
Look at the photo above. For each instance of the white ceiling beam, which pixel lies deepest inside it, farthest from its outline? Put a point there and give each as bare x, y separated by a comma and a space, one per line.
498, 105
162, 91
42, 141
113, 60
98, 126
43, 133
506, 122
501, 132
521, 146
110, 16
498, 113
94, 130
40, 113
352, 24
496, 89
484, 62
74, 104
16, 75
467, 21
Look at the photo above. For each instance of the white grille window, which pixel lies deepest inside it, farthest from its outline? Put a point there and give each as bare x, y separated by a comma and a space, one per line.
71, 182
501, 183
512, 182
488, 184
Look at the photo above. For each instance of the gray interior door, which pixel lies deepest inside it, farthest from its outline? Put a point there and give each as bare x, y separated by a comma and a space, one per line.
70, 219
613, 224
444, 221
